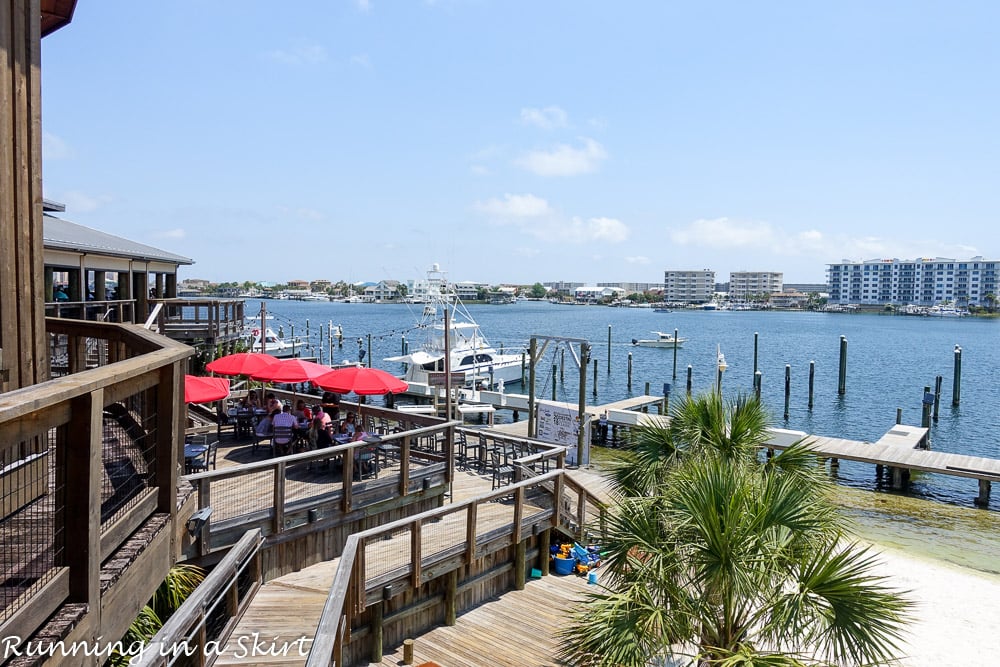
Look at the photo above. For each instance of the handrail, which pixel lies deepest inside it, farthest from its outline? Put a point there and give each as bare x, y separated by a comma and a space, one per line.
334, 620
154, 316
186, 623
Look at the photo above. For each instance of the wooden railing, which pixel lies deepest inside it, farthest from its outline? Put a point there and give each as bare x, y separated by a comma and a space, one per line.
257, 495
200, 318
379, 565
114, 310
86, 460
212, 611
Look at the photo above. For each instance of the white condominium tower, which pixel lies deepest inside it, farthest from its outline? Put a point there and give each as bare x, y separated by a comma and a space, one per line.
922, 282
688, 286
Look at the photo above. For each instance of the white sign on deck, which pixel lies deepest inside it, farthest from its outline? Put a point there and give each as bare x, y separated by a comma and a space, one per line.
560, 425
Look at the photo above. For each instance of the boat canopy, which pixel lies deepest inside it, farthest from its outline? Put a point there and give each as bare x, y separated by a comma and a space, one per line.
418, 358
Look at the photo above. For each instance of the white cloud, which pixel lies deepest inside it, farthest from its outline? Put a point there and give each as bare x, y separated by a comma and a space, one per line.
533, 216
515, 206
171, 234
306, 54
361, 60
364, 5
763, 238
54, 148
547, 118
564, 160
480, 170
637, 259
80, 202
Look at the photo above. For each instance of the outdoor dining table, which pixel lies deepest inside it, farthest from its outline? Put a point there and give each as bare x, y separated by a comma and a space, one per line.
191, 452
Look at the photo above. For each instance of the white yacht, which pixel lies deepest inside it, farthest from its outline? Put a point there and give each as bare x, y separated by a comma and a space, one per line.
662, 340
283, 348
470, 351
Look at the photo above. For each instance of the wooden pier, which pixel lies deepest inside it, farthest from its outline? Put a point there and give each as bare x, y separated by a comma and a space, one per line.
902, 449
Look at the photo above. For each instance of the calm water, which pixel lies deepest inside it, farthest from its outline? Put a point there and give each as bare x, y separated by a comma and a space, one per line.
890, 360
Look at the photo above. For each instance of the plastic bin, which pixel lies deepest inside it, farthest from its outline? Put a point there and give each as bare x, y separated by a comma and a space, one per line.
564, 565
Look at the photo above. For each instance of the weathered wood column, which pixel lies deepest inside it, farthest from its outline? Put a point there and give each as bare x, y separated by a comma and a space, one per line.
22, 283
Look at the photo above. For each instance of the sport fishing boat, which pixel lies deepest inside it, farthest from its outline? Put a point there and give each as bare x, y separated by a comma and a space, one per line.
662, 340
471, 354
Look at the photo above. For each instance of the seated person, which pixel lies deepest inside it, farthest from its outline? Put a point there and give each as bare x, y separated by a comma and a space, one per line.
285, 418
272, 403
265, 426
301, 412
331, 404
321, 414
319, 435
249, 402
349, 426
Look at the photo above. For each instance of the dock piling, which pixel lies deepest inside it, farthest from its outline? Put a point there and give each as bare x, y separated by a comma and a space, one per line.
757, 376
983, 499
925, 409
842, 383
899, 415
562, 365
937, 396
595, 377
689, 381
609, 349
812, 377
788, 387
956, 384
675, 355
553, 382
755, 353
630, 371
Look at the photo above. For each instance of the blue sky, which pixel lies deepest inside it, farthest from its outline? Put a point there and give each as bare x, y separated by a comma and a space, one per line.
527, 141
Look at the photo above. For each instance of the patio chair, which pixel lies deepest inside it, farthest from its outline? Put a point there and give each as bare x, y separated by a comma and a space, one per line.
503, 473
206, 459
282, 440
366, 463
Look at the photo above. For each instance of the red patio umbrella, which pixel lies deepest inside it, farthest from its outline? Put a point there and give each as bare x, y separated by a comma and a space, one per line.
241, 363
292, 370
361, 380
204, 389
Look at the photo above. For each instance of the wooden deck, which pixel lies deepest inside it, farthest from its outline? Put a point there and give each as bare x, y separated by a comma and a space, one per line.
289, 607
518, 628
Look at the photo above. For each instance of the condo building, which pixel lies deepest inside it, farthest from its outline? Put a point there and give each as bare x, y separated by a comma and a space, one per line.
745, 284
921, 282
688, 286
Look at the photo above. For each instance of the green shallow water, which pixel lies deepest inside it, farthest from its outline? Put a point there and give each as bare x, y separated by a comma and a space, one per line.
962, 536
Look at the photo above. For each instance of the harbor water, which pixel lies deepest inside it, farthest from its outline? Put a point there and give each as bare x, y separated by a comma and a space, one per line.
890, 359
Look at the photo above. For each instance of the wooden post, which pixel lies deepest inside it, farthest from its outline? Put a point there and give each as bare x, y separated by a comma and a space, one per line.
532, 351
562, 365
983, 499
544, 539
956, 384
407, 652
899, 415
812, 377
609, 352
755, 335
689, 381
279, 498
82, 517
842, 382
377, 613
925, 409
450, 593
674, 377
937, 396
553, 382
519, 553
788, 387
756, 383
582, 439
630, 371
595, 378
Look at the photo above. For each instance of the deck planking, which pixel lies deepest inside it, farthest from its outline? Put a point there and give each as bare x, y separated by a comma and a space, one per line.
517, 628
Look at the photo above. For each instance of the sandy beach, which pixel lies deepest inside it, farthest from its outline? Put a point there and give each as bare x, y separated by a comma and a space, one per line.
957, 611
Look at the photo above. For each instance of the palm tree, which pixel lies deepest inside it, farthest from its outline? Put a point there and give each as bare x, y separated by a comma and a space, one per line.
717, 555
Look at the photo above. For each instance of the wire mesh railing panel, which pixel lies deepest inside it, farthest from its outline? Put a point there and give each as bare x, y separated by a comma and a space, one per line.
388, 554
446, 534
538, 501
249, 493
128, 453
31, 535
495, 515
569, 509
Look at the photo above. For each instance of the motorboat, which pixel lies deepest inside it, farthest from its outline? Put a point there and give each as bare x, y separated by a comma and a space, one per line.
471, 354
273, 344
662, 340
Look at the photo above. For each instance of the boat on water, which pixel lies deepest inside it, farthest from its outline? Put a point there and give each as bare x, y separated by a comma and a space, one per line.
662, 309
662, 340
273, 344
471, 354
